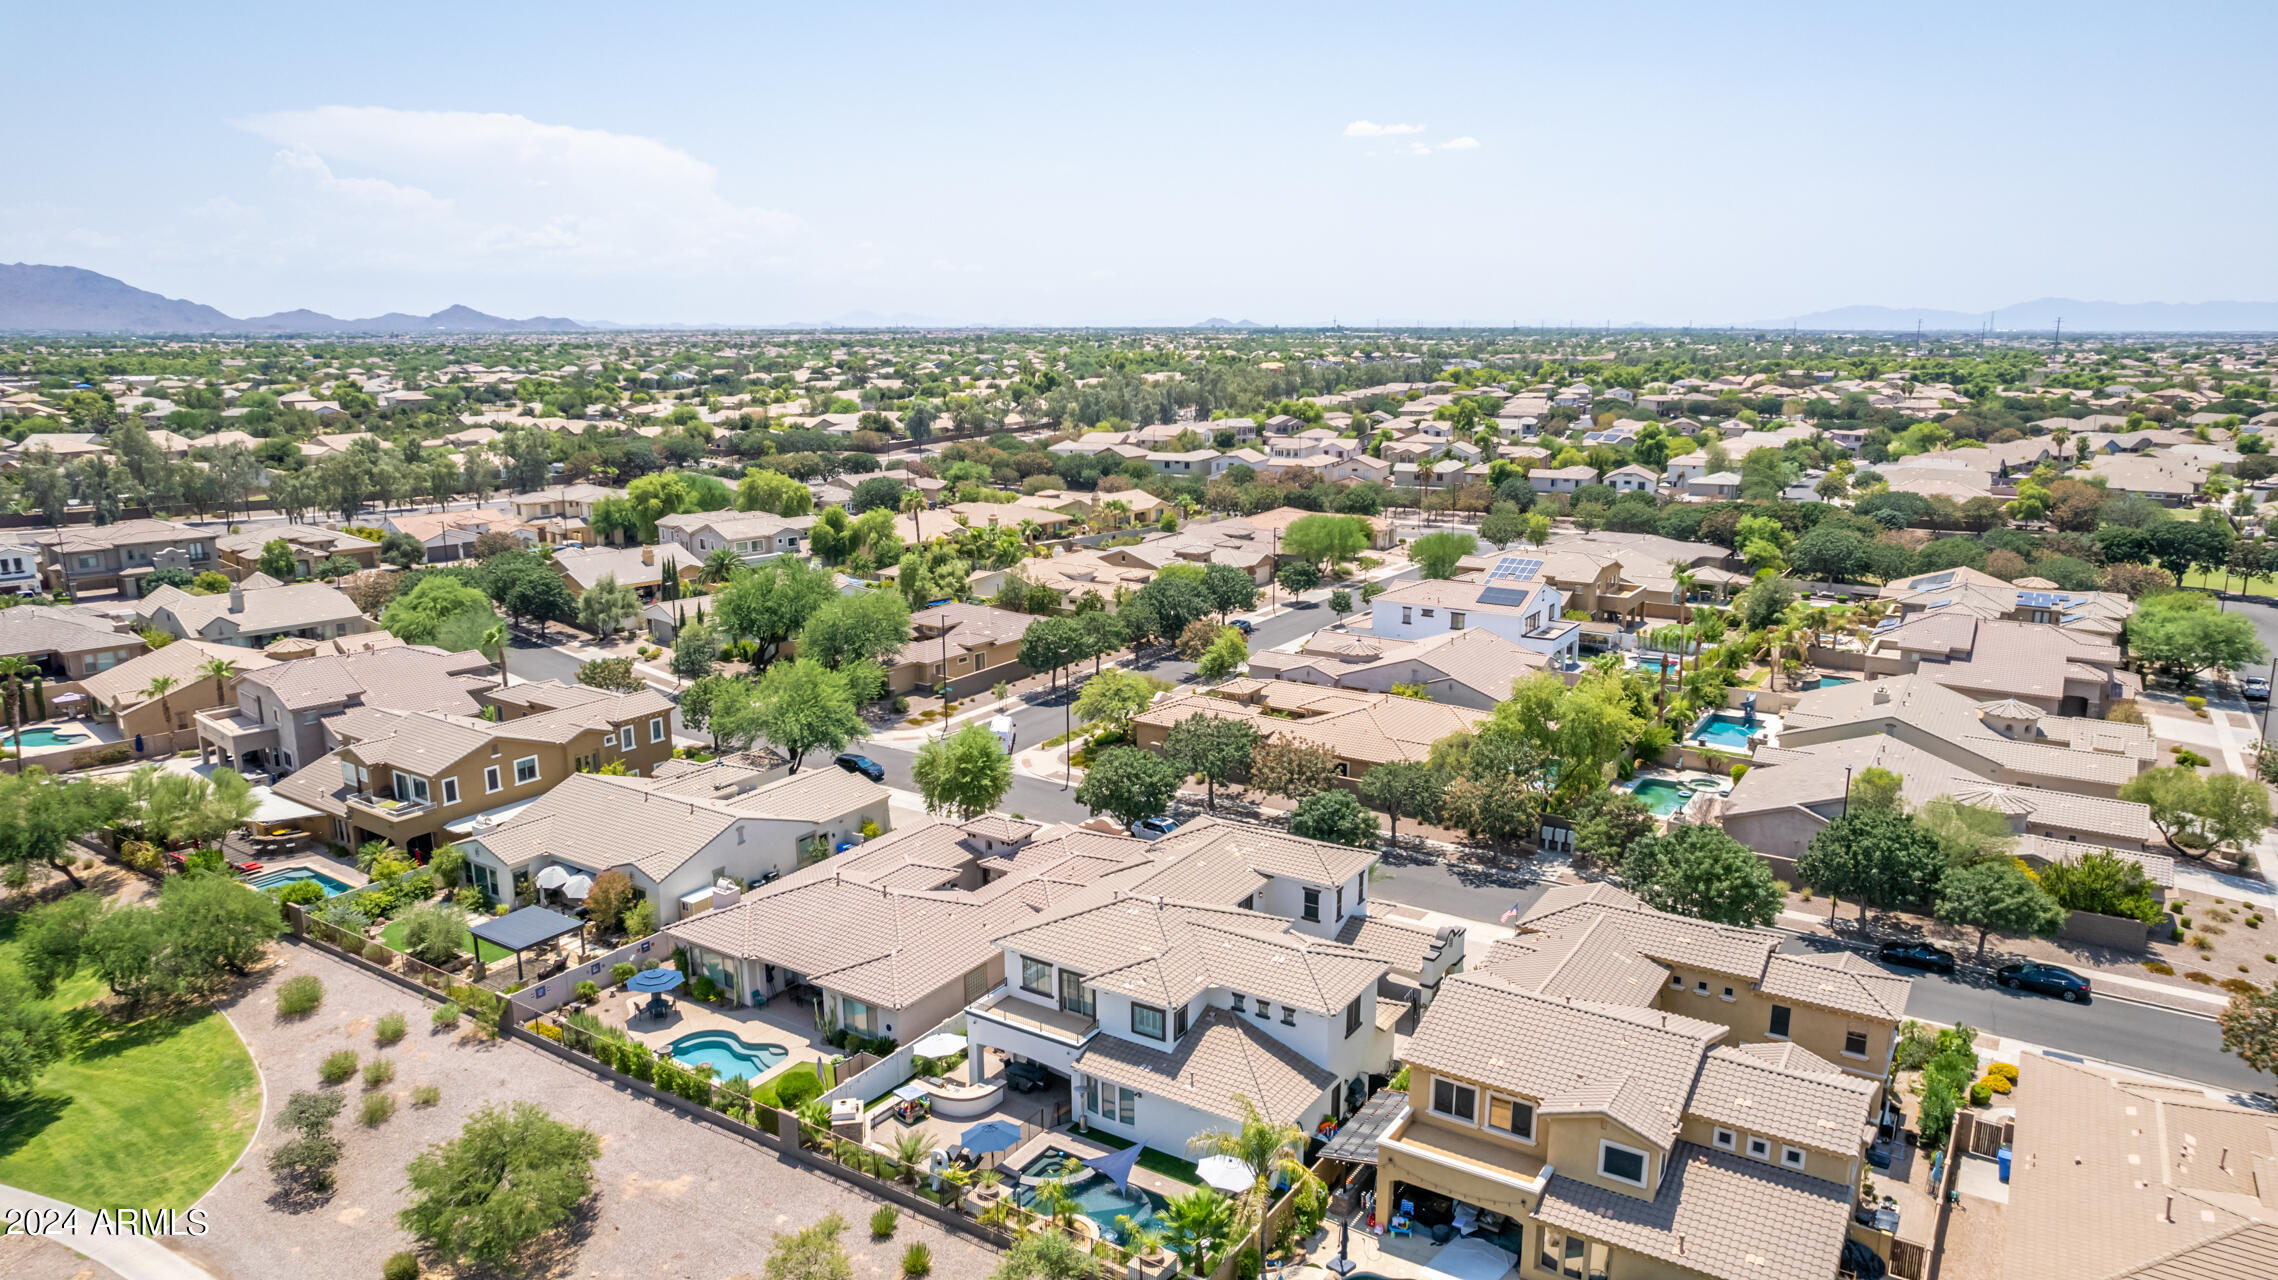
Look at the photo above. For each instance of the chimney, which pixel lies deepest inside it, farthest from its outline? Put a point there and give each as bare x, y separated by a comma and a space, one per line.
648, 555
237, 597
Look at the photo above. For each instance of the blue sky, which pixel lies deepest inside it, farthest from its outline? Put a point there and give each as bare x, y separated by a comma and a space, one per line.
1159, 163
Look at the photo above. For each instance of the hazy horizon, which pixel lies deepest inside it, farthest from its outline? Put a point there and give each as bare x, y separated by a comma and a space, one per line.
1520, 166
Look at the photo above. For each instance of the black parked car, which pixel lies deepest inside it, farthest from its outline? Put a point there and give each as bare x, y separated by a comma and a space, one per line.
1243, 625
863, 765
1917, 955
2046, 979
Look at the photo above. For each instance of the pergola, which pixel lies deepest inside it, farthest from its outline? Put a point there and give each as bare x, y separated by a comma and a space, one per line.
521, 930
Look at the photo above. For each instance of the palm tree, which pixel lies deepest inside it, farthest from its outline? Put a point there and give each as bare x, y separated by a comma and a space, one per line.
913, 506
722, 564
14, 670
911, 1148
1053, 1201
221, 671
494, 646
1265, 1148
161, 689
1118, 510
1197, 1219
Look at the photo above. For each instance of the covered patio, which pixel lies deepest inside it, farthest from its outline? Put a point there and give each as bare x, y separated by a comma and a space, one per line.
529, 929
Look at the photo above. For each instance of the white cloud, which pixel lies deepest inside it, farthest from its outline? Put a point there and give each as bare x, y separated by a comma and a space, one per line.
453, 190
1419, 148
1460, 144
1371, 129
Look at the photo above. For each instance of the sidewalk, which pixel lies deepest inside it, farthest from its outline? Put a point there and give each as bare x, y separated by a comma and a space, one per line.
134, 1257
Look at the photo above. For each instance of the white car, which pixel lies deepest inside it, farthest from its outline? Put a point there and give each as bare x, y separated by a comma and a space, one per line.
1154, 828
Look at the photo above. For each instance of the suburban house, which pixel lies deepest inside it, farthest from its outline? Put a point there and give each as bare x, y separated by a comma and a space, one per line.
167, 723
311, 546
19, 566
451, 535
417, 779
66, 642
107, 557
970, 646
280, 717
1562, 479
1618, 1092
561, 513
753, 535
1513, 601
1968, 591
1632, 479
1470, 668
1362, 729
251, 615
692, 837
642, 568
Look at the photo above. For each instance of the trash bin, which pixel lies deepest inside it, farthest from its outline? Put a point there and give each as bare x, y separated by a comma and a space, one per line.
2003, 1156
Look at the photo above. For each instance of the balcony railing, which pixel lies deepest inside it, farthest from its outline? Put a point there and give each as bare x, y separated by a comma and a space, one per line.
1049, 1021
388, 805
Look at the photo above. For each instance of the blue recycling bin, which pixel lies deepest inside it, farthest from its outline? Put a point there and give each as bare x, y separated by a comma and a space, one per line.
2003, 1156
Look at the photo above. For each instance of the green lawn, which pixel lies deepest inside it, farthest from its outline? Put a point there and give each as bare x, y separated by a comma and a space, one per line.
2216, 582
149, 1113
490, 953
766, 1091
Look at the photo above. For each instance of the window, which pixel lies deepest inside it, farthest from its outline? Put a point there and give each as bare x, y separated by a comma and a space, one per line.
1727, 994
490, 784
1035, 975
450, 791
1792, 1157
1622, 1164
1075, 997
1456, 1101
609, 739
1780, 1015
1700, 988
1724, 1139
1352, 1017
1147, 1020
1512, 1116
1312, 908
1237, 997
1454, 620
1854, 1043
1430, 614
1288, 1016
656, 729
1407, 614
980, 661
1564, 1255
1265, 1010
1759, 1149
1677, 982
525, 770
1178, 1022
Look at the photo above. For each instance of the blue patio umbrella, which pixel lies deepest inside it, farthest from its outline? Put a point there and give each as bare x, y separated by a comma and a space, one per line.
988, 1136
654, 980
1117, 1166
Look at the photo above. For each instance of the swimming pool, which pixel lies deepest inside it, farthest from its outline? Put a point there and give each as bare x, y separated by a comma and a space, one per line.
727, 1055
1659, 664
293, 875
46, 737
1661, 795
1095, 1194
1829, 682
1726, 730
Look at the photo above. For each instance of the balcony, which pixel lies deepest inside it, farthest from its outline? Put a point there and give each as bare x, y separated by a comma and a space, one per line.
1506, 1165
387, 806
1048, 1021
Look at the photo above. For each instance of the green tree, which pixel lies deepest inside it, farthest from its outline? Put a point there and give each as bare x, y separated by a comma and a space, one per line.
1323, 540
31, 1035
1997, 895
1883, 858
1875, 790
277, 560
51, 940
964, 775
1230, 589
1128, 783
41, 814
610, 898
1538, 528
607, 606
513, 1174
866, 626
418, 616
695, 651
403, 551
1335, 816
1298, 576
1224, 657
527, 587
2181, 633
1040, 1255
1216, 747
1436, 554
1111, 698
656, 496
1401, 788
2250, 1029
1199, 1222
1700, 871
803, 706
1606, 823
2225, 810
1340, 603
1051, 645
774, 493
1291, 767
2103, 883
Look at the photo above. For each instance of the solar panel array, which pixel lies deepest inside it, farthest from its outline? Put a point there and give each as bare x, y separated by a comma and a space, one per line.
2043, 599
1934, 580
1516, 567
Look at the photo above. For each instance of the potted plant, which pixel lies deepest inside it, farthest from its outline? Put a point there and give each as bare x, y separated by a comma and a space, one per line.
988, 1190
1149, 1259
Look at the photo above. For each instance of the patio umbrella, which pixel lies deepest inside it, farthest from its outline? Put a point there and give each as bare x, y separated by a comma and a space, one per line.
1227, 1174
939, 1045
988, 1136
553, 877
654, 980
577, 887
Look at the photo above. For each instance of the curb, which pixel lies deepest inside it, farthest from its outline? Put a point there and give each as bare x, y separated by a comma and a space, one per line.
2097, 994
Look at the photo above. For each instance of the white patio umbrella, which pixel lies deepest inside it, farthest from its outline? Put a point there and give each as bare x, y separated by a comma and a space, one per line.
1227, 1174
939, 1045
553, 877
577, 887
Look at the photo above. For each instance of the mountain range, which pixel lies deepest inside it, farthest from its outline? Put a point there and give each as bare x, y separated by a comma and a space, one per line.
74, 300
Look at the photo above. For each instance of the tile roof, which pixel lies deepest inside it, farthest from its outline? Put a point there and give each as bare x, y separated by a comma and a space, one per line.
1165, 953
31, 628
1716, 1214
274, 608
403, 678
1826, 1109
1220, 1061
120, 688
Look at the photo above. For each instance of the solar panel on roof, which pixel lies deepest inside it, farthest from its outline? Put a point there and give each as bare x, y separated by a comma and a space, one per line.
1934, 580
2036, 599
1516, 567
1937, 604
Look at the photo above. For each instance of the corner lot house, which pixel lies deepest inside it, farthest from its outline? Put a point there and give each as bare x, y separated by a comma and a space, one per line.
971, 646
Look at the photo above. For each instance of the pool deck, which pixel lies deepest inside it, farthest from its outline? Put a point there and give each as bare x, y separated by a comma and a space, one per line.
789, 1025
345, 873
1394, 1257
1683, 778
1082, 1147
92, 734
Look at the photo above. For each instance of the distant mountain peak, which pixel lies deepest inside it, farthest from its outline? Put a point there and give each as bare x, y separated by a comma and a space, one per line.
75, 300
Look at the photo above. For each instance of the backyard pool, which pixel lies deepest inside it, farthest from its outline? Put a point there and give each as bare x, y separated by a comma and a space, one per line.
1829, 682
727, 1055
46, 737
1726, 730
1663, 796
1094, 1192
294, 875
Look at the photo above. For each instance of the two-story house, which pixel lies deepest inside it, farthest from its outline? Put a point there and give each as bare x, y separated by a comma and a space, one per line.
19, 567
84, 558
277, 721
253, 613
311, 545
753, 535
66, 642
1513, 601
1617, 1092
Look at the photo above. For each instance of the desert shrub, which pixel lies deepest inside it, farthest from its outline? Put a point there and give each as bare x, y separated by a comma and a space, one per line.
2239, 987
378, 1072
882, 1222
2203, 979
378, 1109
2007, 1071
2160, 967
400, 1266
1979, 1095
588, 992
337, 1067
426, 1095
378, 953
444, 1018
620, 972
388, 1029
297, 997
1996, 1084
917, 1260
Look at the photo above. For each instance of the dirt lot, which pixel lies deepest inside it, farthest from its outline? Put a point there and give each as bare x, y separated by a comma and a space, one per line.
675, 1198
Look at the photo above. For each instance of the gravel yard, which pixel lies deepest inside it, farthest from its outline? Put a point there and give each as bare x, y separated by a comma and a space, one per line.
675, 1198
